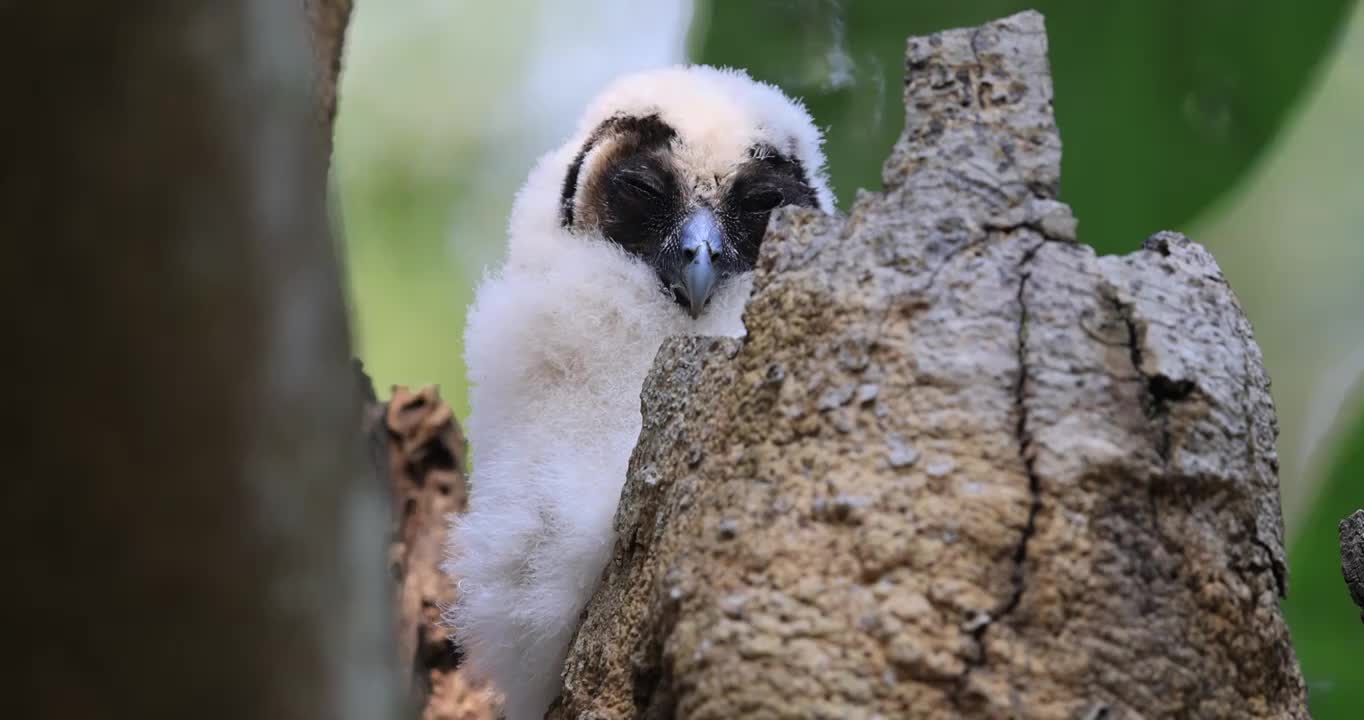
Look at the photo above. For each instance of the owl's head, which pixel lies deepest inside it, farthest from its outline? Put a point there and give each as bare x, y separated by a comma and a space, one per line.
682, 167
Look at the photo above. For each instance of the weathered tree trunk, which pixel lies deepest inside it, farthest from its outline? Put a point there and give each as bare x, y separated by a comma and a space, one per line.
960, 466
189, 531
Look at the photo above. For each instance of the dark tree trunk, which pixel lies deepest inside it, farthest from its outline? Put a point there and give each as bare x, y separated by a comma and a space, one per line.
191, 532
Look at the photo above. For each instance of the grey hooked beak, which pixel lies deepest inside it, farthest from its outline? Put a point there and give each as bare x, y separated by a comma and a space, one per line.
700, 239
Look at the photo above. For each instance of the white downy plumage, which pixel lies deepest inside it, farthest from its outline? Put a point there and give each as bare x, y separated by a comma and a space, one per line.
558, 344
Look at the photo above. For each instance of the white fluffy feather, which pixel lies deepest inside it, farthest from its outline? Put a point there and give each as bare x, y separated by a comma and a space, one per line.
557, 344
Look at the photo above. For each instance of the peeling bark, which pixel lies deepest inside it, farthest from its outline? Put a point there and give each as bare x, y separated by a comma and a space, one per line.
960, 466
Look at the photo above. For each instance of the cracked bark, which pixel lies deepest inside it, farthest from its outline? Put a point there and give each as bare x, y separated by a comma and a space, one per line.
960, 466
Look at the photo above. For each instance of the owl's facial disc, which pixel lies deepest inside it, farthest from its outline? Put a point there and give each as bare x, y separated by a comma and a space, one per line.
697, 229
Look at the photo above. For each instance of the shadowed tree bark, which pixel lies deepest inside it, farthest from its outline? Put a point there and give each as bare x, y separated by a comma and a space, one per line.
191, 529
959, 467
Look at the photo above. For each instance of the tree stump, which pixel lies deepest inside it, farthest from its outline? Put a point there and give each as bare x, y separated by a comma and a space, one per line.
960, 466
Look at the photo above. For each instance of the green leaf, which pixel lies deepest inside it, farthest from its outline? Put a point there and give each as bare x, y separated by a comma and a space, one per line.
1162, 104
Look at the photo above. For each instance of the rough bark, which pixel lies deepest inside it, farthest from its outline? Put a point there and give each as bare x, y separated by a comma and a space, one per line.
960, 467
189, 534
327, 23
1352, 556
422, 451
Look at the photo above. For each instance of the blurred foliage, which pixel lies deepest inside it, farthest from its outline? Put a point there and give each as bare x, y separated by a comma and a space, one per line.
1327, 628
406, 305
409, 149
1163, 104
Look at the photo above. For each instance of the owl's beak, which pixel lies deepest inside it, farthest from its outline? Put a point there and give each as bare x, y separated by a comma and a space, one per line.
701, 239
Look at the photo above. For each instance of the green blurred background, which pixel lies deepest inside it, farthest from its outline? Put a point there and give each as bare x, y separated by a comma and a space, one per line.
1240, 122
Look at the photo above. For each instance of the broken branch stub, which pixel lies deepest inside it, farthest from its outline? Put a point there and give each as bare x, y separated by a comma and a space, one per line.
960, 466
418, 451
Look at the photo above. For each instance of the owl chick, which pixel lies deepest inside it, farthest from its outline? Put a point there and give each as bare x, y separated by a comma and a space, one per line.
646, 224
